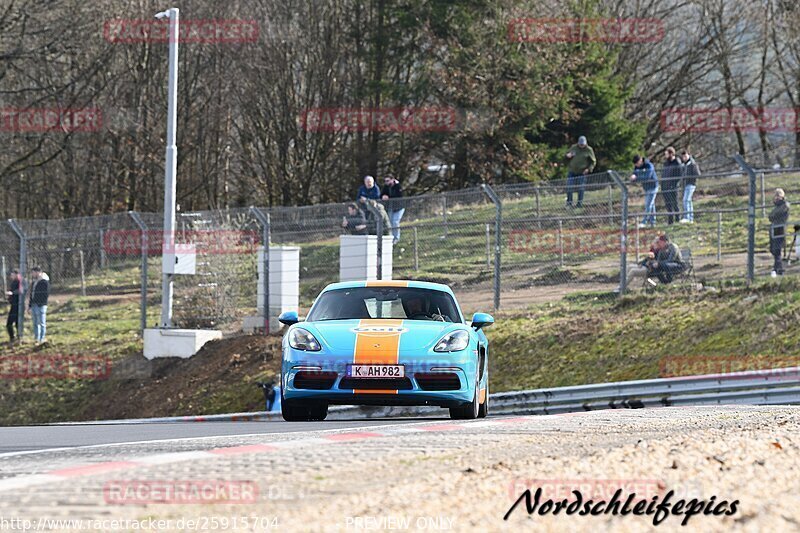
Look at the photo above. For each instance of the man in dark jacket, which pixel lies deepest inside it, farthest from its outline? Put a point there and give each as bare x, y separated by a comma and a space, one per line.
670, 183
777, 230
16, 289
668, 260
369, 196
645, 173
354, 222
392, 196
690, 172
40, 290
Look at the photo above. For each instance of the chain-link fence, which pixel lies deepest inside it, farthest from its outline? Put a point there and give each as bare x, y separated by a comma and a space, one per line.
510, 245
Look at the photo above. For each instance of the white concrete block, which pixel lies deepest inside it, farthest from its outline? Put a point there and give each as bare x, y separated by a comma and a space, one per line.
358, 257
182, 343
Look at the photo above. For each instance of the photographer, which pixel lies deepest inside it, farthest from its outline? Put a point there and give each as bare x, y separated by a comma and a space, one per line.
777, 230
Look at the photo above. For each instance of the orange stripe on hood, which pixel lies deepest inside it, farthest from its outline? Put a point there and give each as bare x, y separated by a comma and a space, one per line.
387, 283
377, 347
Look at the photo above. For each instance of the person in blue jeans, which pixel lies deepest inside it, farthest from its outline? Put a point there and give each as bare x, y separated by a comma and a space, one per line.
645, 173
40, 290
581, 163
690, 172
392, 196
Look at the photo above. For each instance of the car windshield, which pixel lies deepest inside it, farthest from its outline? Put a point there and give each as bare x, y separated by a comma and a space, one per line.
385, 302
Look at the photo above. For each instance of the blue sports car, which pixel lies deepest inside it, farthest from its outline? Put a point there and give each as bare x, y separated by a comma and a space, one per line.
384, 343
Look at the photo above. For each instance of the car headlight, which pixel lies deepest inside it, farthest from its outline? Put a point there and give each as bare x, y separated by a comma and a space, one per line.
452, 342
301, 339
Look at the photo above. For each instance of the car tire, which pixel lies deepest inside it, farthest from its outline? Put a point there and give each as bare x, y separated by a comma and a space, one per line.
295, 411
468, 411
483, 409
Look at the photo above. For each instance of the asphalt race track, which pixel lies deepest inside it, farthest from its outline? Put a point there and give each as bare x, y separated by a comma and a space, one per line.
429, 474
30, 438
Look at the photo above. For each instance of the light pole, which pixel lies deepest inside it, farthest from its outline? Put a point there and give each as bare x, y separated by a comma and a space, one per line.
170, 167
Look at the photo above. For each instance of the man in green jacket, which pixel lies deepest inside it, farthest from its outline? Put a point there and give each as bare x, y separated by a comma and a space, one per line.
581, 163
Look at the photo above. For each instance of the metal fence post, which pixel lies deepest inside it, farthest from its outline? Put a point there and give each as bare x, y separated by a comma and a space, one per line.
23, 259
751, 219
538, 207
638, 240
623, 237
610, 201
444, 213
561, 244
83, 273
498, 226
102, 249
379, 231
488, 247
763, 197
145, 247
719, 236
266, 240
5, 275
416, 251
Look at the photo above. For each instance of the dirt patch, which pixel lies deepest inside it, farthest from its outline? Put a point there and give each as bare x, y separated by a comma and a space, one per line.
221, 377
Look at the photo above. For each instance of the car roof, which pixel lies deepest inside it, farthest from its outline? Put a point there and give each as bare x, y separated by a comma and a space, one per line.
390, 283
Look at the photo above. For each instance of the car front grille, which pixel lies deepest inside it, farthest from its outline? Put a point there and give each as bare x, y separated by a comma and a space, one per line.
376, 384
438, 381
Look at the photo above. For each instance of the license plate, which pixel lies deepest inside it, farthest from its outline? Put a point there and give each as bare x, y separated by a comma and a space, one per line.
375, 371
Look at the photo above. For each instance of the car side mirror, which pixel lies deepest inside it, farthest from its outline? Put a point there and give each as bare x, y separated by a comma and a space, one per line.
289, 318
482, 320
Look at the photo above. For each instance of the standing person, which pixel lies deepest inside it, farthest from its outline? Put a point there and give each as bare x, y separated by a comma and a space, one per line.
777, 230
369, 196
670, 184
15, 289
645, 173
37, 300
690, 172
581, 163
391, 195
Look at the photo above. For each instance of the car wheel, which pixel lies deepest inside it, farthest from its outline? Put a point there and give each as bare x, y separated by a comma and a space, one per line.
469, 411
483, 409
295, 411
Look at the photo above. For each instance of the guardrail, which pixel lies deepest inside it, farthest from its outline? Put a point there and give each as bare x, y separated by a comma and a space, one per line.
779, 386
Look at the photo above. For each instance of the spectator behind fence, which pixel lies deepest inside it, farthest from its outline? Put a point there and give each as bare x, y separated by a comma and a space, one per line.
369, 196
354, 221
16, 288
777, 230
668, 260
690, 172
37, 300
581, 163
670, 184
392, 196
645, 173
